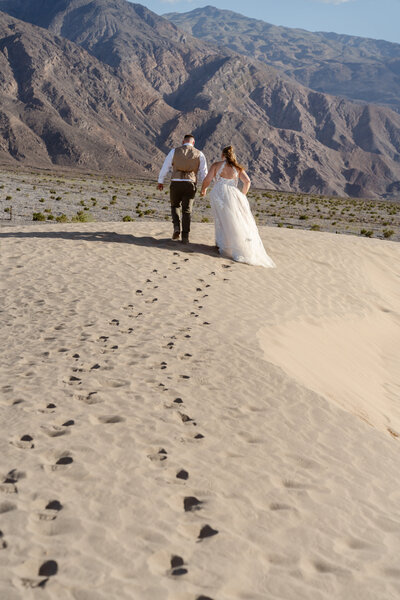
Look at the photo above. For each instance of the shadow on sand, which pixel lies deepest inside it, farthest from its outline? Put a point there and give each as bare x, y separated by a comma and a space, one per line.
116, 238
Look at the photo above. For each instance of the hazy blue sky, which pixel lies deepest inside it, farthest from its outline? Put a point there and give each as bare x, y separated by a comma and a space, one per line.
367, 18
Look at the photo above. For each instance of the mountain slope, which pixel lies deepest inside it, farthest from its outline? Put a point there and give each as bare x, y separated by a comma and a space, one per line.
121, 34
354, 67
59, 105
128, 110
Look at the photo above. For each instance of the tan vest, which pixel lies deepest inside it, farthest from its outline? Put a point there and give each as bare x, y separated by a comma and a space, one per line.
186, 163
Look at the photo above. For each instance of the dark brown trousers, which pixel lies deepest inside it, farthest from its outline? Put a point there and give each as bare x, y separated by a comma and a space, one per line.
182, 195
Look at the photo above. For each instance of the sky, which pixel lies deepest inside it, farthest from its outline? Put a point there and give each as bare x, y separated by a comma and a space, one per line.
379, 19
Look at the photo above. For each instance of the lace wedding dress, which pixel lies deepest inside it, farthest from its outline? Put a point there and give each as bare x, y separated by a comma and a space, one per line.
236, 232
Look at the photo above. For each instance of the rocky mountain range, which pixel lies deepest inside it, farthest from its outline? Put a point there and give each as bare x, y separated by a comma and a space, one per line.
358, 68
109, 85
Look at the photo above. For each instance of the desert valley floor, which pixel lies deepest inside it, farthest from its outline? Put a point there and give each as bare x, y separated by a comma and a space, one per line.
27, 196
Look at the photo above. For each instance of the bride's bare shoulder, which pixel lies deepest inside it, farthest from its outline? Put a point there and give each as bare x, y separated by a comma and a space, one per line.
217, 164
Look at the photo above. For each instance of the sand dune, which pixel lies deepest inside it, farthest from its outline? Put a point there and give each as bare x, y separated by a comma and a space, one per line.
178, 426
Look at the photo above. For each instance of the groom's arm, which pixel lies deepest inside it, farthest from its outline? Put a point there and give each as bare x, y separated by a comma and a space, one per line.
165, 169
202, 174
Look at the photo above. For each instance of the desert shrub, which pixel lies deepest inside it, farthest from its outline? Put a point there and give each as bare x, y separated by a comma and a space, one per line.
367, 232
104, 208
303, 217
38, 216
315, 227
7, 210
387, 233
205, 220
127, 218
41, 200
8, 197
58, 198
62, 219
50, 217
82, 217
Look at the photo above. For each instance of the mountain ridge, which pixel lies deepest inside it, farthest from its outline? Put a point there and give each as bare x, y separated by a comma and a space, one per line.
156, 83
361, 69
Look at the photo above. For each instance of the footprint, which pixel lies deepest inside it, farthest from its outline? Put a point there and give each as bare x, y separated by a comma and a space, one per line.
191, 503
90, 398
206, 532
295, 485
199, 436
54, 430
160, 456
54, 505
278, 506
9, 482
182, 474
68, 423
3, 543
177, 568
48, 569
324, 567
185, 418
51, 510
178, 401
25, 442
7, 507
63, 461
111, 419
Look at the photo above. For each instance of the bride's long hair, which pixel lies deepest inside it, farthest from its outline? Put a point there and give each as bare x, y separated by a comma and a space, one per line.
229, 154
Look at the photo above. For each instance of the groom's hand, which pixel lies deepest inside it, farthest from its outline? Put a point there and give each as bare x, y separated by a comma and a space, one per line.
160, 187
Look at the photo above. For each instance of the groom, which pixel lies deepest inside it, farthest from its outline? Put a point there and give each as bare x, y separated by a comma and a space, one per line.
189, 166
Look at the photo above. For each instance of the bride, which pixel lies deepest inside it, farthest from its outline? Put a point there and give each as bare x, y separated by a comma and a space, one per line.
236, 233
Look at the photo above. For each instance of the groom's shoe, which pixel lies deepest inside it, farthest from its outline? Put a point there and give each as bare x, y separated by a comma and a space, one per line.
176, 235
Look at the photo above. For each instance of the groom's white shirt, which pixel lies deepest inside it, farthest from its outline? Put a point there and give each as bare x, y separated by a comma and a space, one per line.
167, 166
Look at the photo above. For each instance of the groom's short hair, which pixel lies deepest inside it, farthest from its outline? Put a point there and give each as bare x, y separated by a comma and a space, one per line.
188, 137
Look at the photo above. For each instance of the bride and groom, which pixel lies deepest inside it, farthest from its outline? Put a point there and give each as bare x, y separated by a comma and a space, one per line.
236, 232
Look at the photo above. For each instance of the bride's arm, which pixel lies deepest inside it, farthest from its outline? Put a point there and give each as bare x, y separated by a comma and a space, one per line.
246, 181
208, 179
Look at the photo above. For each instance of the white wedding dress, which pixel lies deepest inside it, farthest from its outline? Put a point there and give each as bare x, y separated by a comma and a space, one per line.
236, 232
